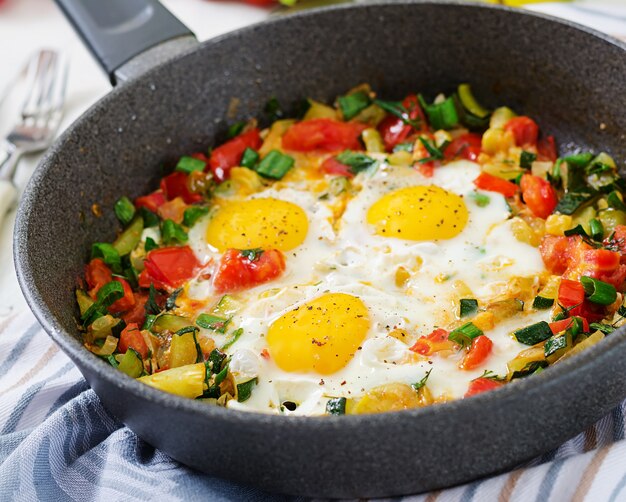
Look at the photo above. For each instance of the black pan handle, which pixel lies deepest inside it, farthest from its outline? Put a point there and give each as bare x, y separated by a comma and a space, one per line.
115, 31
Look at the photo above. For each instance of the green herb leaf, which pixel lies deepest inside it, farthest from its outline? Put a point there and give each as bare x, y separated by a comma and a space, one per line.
170, 303
434, 152
571, 201
336, 406
607, 329
173, 233
189, 165
542, 303
150, 244
213, 322
193, 214
577, 230
234, 336
615, 201
526, 159
251, 254
109, 255
480, 199
149, 218
352, 104
418, 385
535, 333
275, 165
215, 360
596, 229
597, 291
355, 160
530, 369
150, 318
235, 129
151, 306
469, 306
244, 390
124, 210
396, 108
464, 335
273, 110
250, 158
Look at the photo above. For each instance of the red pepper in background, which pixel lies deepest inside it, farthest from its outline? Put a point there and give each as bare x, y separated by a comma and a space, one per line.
539, 195
323, 134
237, 271
131, 338
486, 181
482, 385
228, 155
467, 146
525, 130
168, 267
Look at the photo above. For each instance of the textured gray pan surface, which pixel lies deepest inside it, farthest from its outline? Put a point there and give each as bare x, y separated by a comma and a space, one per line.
569, 78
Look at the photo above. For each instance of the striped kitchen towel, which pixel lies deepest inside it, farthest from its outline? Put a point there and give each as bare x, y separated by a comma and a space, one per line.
58, 443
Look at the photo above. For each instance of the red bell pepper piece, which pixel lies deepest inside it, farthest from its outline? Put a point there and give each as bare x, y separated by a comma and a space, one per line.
333, 166
323, 134
486, 181
572, 296
151, 201
478, 353
539, 195
482, 385
228, 155
563, 324
177, 185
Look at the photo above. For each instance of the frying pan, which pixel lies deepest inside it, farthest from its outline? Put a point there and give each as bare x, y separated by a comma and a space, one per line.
567, 76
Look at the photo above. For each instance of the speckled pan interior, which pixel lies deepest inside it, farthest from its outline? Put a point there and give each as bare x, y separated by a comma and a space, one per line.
571, 79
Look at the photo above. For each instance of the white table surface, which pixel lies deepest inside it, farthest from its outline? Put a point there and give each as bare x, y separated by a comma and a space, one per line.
28, 25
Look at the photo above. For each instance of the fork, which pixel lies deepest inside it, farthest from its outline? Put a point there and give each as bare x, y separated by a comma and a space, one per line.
40, 117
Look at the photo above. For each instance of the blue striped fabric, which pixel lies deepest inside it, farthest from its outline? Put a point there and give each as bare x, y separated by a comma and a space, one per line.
58, 443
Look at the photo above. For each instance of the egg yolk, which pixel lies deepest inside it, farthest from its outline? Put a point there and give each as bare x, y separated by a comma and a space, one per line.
258, 223
419, 213
320, 336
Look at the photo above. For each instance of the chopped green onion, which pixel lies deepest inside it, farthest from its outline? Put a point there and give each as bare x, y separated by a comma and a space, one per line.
213, 322
396, 108
149, 245
110, 293
244, 390
234, 336
596, 229
526, 159
336, 406
615, 201
404, 147
355, 160
235, 129
150, 318
535, 333
250, 158
469, 306
189, 165
275, 165
273, 110
108, 253
352, 104
124, 210
607, 329
251, 254
193, 214
554, 176
598, 291
221, 376
172, 233
470, 103
418, 385
151, 306
111, 360
571, 201
464, 335
149, 218
480, 199
598, 168
579, 159
170, 303
542, 303
434, 152
577, 230
214, 362
442, 115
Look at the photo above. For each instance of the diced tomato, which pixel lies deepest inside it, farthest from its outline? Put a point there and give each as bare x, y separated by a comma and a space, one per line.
173, 210
555, 251
97, 274
525, 130
486, 181
228, 155
563, 324
546, 149
478, 353
137, 313
151, 201
323, 134
539, 195
394, 130
126, 302
235, 271
482, 385
467, 146
132, 338
436, 341
332, 166
177, 185
572, 296
169, 267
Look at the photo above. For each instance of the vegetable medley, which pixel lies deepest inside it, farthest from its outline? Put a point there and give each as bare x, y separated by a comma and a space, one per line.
367, 256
